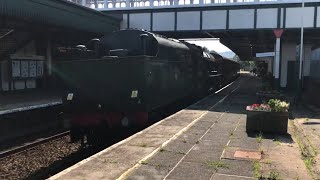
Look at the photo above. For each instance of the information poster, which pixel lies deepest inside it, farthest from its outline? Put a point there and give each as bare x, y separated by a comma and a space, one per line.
24, 69
27, 68
32, 69
15, 69
39, 68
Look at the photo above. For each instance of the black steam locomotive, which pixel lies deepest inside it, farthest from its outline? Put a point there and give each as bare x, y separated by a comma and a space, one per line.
129, 73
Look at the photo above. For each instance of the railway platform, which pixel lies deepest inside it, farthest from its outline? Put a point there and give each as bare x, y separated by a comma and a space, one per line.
206, 140
27, 100
26, 113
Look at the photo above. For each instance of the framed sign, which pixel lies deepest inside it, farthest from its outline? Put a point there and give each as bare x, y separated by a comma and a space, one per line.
24, 69
32, 69
15, 67
39, 68
27, 67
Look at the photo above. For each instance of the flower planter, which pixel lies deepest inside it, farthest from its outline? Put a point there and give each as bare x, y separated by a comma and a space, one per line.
266, 121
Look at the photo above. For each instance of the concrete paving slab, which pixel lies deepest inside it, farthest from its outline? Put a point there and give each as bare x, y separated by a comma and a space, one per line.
178, 146
190, 138
125, 153
196, 130
203, 124
236, 153
286, 161
165, 158
212, 116
241, 142
206, 145
148, 172
247, 155
237, 167
183, 117
218, 176
170, 130
191, 171
203, 156
149, 140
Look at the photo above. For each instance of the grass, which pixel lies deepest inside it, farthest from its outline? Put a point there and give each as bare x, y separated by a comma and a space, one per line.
277, 142
256, 169
217, 165
231, 134
309, 162
274, 175
143, 145
143, 162
267, 161
308, 152
259, 138
183, 153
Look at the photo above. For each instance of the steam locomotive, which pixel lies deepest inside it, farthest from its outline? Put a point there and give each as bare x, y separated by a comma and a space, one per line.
126, 75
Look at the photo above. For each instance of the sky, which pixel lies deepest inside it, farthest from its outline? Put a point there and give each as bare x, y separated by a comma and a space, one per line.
214, 45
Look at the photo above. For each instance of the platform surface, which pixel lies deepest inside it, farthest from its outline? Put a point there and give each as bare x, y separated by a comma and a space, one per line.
21, 101
198, 142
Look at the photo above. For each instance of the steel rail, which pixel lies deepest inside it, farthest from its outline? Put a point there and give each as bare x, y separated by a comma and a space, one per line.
31, 145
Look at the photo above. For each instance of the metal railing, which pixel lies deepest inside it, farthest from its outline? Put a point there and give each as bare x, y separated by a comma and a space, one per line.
133, 4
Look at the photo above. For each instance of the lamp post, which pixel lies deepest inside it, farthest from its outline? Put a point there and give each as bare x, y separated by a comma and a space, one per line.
301, 53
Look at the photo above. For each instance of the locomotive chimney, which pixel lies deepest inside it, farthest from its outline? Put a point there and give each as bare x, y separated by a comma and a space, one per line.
96, 47
144, 38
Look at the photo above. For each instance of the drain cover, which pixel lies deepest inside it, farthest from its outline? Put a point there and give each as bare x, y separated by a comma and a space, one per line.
255, 155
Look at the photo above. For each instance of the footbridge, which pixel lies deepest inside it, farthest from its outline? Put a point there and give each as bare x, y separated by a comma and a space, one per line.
248, 27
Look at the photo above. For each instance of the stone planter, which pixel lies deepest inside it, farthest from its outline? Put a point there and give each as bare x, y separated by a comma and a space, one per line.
267, 121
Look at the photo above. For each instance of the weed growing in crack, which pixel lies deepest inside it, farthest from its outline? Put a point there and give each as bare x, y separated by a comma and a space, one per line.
277, 142
217, 165
259, 138
144, 162
256, 169
274, 175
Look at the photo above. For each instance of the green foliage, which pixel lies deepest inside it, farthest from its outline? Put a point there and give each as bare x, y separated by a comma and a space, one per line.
274, 175
278, 105
256, 169
217, 165
259, 137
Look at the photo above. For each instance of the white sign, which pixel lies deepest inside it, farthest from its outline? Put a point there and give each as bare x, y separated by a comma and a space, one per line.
15, 68
24, 69
33, 69
266, 54
40, 68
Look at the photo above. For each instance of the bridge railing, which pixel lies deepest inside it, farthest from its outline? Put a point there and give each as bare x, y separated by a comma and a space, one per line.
134, 4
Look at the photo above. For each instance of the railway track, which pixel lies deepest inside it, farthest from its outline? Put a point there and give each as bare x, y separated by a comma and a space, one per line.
31, 145
45, 157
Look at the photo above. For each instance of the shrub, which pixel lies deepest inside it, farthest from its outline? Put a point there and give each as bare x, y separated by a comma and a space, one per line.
278, 105
272, 105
